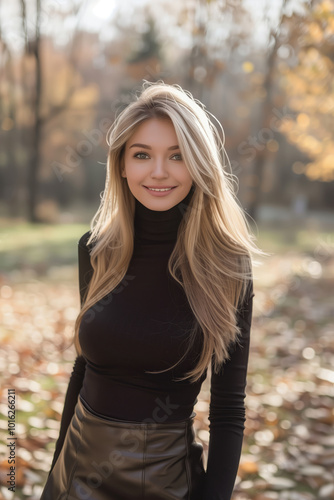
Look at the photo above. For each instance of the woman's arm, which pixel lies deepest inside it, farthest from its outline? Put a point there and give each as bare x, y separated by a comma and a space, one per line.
227, 412
78, 372
71, 397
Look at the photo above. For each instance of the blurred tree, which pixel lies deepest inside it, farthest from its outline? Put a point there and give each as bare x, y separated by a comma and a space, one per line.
261, 152
8, 111
34, 111
211, 45
34, 47
309, 86
145, 57
148, 46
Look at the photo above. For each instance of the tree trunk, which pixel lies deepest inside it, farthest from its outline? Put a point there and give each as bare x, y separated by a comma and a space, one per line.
264, 122
36, 131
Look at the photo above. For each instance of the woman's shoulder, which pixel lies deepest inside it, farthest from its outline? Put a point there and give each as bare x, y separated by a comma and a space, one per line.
82, 242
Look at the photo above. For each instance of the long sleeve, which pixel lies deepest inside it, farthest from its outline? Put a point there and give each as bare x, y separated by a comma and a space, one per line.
227, 413
78, 372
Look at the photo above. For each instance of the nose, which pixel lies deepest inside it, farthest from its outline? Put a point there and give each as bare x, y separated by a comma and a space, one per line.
159, 170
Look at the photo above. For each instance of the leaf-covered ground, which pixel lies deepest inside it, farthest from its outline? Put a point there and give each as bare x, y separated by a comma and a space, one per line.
288, 451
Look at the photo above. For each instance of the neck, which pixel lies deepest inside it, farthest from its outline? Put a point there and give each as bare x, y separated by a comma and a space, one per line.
159, 225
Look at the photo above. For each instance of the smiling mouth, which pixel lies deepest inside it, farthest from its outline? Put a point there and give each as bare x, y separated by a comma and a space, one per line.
160, 189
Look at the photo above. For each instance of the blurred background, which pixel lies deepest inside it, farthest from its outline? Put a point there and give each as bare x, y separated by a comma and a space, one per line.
265, 70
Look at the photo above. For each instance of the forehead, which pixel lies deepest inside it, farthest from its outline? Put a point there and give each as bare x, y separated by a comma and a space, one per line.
159, 130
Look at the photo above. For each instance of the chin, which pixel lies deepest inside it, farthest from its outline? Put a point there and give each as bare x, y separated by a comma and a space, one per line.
160, 202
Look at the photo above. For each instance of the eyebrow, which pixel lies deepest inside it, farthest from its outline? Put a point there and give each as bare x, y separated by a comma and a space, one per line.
145, 146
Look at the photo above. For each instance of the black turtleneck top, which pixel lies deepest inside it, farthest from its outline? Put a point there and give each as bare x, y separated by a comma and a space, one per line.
143, 325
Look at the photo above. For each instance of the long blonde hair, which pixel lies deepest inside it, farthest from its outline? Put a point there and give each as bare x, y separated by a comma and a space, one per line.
212, 257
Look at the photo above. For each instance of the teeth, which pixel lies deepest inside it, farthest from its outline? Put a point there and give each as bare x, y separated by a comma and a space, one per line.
167, 189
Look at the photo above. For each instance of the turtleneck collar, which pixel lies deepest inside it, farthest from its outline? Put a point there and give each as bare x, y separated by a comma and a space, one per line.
159, 225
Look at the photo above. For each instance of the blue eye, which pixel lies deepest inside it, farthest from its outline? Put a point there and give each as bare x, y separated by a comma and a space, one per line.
180, 157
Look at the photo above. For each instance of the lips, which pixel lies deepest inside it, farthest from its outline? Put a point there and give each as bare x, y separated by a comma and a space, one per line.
160, 187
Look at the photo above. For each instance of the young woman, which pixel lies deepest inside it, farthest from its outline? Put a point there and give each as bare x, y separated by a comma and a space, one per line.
166, 292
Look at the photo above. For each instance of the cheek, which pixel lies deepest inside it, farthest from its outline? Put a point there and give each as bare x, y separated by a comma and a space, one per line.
184, 174
132, 171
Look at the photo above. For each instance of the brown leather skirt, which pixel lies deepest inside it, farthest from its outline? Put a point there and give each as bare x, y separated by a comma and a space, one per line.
108, 459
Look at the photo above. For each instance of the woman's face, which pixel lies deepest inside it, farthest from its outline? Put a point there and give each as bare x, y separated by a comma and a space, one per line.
153, 160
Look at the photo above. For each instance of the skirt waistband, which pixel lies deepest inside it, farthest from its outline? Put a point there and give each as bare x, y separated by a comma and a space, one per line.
147, 423
104, 458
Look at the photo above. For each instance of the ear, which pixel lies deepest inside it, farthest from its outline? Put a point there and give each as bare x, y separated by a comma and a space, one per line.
122, 167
